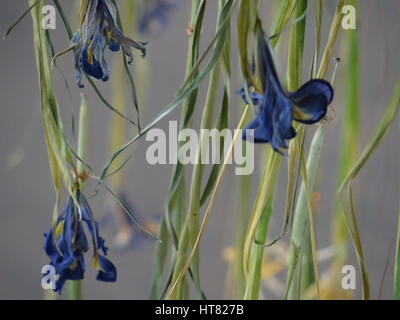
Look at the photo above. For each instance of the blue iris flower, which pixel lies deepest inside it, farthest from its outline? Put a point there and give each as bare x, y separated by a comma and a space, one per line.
99, 31
156, 12
66, 244
278, 108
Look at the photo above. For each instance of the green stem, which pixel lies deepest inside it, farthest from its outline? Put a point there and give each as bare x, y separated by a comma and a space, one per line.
254, 283
74, 287
173, 217
263, 209
83, 136
333, 33
192, 216
348, 153
301, 231
236, 280
294, 80
296, 48
397, 265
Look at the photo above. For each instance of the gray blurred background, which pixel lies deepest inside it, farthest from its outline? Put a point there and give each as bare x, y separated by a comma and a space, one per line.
27, 197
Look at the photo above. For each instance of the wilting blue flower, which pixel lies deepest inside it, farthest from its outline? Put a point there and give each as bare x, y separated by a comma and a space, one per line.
67, 244
278, 108
156, 12
98, 31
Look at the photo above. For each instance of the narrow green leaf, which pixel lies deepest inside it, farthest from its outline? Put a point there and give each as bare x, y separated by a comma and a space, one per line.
397, 264
345, 191
20, 18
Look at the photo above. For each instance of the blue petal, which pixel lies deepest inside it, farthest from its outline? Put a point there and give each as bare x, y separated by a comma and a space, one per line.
260, 133
282, 123
93, 226
76, 38
276, 109
81, 241
107, 271
66, 239
268, 73
60, 284
255, 97
49, 247
76, 271
93, 69
78, 64
114, 46
311, 101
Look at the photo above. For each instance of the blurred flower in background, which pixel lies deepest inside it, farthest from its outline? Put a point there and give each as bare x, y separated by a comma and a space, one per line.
156, 15
127, 235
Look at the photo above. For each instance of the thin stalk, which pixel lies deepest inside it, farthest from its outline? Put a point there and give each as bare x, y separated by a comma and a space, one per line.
294, 80
58, 151
333, 33
236, 280
257, 257
345, 191
296, 48
292, 278
286, 11
397, 264
192, 216
263, 205
83, 136
195, 188
396, 285
318, 33
348, 153
173, 219
210, 206
118, 129
74, 287
301, 229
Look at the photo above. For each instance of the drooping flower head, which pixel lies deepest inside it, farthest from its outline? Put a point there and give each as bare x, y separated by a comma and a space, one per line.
278, 107
67, 244
156, 15
99, 31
